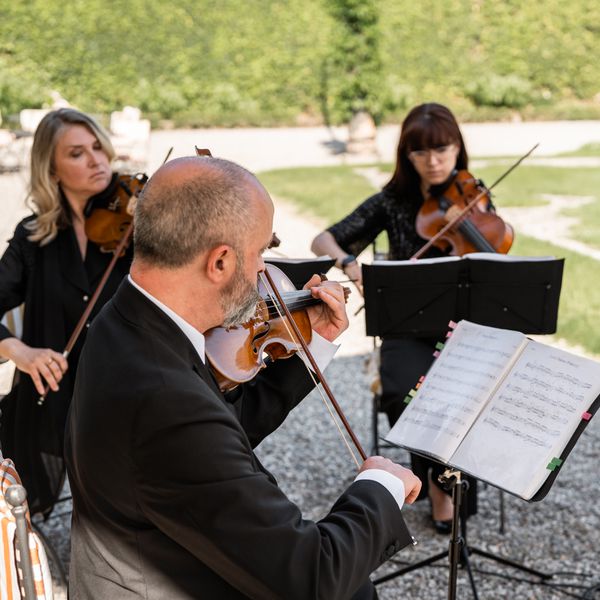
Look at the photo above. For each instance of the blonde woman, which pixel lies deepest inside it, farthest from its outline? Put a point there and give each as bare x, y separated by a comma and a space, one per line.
53, 269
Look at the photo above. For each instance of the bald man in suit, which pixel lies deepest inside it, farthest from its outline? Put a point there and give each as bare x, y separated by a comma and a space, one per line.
169, 499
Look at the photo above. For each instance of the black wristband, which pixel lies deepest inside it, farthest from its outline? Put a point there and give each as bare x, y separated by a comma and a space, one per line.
350, 258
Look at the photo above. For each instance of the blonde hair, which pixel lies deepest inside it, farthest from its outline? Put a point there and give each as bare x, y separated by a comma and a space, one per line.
44, 197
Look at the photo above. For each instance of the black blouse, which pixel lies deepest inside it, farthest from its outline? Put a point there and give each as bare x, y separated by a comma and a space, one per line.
382, 212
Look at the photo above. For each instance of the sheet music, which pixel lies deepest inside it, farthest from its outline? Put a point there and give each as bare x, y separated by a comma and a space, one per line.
272, 256
493, 256
497, 257
456, 388
530, 418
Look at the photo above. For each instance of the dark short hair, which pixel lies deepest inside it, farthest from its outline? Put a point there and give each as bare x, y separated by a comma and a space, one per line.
174, 224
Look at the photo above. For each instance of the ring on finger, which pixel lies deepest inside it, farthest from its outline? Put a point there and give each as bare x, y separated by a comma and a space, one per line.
50, 361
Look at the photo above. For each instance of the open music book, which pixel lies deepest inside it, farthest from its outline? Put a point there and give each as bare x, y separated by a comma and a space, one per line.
501, 407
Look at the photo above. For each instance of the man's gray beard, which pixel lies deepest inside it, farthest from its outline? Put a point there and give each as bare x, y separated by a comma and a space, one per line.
239, 300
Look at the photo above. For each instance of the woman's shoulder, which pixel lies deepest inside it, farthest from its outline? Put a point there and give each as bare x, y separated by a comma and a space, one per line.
23, 229
374, 200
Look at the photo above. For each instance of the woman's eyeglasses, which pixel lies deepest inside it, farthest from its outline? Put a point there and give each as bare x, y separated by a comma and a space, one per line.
423, 155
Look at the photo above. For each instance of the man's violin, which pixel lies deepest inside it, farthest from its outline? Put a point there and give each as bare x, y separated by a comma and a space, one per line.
281, 326
237, 354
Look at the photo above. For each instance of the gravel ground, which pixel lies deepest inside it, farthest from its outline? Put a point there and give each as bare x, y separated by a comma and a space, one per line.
558, 535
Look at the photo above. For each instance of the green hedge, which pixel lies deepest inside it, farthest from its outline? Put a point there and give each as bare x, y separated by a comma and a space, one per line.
261, 62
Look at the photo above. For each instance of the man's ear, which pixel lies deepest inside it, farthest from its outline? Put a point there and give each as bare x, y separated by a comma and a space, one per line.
220, 263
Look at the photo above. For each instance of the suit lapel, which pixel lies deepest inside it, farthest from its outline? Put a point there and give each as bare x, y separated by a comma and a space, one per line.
135, 307
207, 376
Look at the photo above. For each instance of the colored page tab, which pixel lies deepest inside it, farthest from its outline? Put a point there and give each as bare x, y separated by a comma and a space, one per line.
554, 464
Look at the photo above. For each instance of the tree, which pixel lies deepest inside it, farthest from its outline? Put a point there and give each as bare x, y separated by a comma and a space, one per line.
354, 71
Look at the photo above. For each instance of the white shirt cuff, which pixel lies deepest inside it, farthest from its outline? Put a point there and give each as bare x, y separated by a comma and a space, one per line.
391, 483
322, 350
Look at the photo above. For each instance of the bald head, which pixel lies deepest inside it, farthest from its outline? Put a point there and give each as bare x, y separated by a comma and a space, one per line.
193, 204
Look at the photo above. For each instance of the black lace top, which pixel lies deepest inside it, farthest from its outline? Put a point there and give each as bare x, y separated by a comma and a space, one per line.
382, 212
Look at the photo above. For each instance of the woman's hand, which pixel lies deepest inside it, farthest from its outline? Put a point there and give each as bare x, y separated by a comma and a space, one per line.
328, 319
43, 365
354, 273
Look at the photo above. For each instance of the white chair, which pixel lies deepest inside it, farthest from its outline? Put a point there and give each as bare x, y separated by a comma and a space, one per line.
130, 138
24, 570
29, 118
9, 152
13, 319
9, 155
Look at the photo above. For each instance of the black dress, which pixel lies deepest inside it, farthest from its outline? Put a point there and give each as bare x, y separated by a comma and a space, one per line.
403, 359
55, 284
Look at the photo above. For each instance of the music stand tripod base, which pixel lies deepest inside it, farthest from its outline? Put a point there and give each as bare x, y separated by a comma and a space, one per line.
458, 550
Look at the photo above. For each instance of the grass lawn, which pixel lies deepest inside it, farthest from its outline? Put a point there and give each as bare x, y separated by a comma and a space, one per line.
579, 309
585, 150
332, 192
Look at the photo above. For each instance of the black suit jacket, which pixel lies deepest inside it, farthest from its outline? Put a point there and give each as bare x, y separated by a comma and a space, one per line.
170, 500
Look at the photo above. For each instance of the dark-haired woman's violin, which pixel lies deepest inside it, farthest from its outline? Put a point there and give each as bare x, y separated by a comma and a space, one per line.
465, 203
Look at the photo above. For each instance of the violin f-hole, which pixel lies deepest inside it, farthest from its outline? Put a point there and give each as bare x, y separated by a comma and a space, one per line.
257, 339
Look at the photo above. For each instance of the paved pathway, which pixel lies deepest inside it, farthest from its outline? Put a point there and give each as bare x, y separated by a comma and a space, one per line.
262, 149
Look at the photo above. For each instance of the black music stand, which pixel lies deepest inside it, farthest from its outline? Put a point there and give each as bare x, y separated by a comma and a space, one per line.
300, 270
420, 298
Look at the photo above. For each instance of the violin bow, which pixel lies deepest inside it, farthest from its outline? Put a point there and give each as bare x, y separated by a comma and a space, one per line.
469, 206
299, 339
317, 371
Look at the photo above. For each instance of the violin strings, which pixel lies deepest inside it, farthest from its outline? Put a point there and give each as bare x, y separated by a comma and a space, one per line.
312, 375
294, 301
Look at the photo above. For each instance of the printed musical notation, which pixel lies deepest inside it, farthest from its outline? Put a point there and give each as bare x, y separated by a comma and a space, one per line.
517, 433
537, 397
432, 426
455, 389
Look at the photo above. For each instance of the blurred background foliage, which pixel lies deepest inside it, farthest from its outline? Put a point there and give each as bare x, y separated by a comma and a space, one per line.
269, 62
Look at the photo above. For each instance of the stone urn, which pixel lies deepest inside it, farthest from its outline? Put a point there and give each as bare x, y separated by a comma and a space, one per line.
361, 134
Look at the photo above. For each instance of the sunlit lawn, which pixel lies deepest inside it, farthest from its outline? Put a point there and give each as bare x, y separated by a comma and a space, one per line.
585, 150
331, 192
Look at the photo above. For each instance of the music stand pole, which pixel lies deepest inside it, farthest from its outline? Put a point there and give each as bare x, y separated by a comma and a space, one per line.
457, 549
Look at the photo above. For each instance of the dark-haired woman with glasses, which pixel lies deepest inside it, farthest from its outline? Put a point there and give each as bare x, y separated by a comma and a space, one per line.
431, 148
